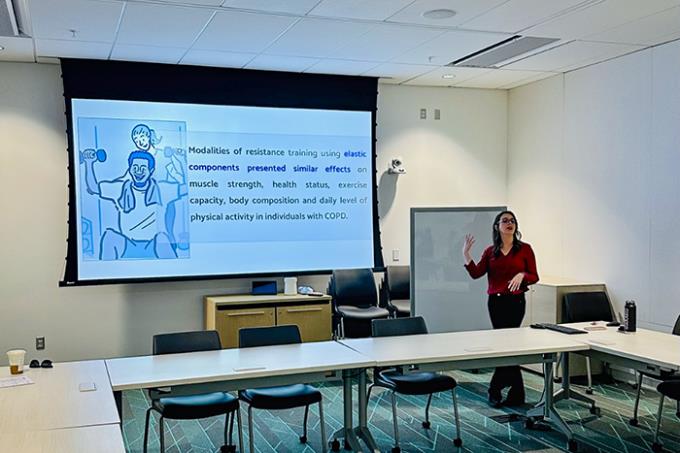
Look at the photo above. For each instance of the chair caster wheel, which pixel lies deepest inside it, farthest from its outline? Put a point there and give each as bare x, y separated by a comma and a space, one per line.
529, 423
426, 425
228, 449
596, 411
396, 450
589, 391
557, 380
458, 442
573, 446
335, 445
657, 447
633, 422
303, 439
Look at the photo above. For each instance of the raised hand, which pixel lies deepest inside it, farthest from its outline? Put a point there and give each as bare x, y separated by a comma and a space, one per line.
467, 246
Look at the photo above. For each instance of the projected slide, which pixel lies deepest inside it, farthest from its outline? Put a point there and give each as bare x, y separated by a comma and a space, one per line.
167, 190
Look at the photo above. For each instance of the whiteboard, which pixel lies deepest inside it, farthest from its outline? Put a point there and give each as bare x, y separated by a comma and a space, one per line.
442, 291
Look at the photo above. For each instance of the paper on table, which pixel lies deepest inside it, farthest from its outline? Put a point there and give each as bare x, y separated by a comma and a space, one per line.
15, 381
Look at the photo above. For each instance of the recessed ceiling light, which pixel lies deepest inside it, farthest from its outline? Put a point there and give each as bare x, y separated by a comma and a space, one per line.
439, 14
448, 76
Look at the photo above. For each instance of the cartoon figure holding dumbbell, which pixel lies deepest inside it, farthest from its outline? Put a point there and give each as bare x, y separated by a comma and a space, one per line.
141, 203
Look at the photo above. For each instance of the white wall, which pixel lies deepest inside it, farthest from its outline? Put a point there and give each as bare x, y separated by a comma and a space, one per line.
458, 160
593, 167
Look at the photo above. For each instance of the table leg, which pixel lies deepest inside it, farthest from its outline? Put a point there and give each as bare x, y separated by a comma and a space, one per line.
347, 431
362, 430
546, 410
566, 392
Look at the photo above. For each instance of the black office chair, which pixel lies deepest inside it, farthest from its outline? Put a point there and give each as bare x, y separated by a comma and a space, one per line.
355, 302
281, 397
195, 406
586, 307
670, 389
659, 377
415, 383
396, 286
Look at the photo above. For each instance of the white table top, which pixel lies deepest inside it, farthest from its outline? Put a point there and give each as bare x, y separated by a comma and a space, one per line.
649, 346
478, 344
55, 401
102, 439
232, 364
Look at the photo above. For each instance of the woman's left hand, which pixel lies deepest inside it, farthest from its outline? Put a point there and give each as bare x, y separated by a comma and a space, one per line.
516, 282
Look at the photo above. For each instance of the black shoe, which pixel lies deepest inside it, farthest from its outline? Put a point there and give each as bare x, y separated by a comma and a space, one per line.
513, 402
495, 401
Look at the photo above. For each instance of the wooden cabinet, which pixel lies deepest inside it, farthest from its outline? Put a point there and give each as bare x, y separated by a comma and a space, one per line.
228, 314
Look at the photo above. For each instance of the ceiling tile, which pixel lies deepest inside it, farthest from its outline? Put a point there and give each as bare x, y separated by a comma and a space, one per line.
153, 54
516, 15
571, 55
242, 32
156, 25
16, 49
538, 76
299, 7
216, 58
465, 11
92, 21
194, 2
650, 30
280, 63
397, 72
450, 46
434, 78
359, 9
599, 17
384, 42
72, 49
317, 37
345, 67
500, 78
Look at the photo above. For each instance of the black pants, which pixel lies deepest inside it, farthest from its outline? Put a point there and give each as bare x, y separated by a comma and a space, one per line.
507, 311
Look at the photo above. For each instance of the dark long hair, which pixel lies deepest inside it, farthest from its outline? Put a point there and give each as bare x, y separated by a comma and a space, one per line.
496, 235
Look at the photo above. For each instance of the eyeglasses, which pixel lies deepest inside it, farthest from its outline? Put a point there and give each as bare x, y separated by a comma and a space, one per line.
47, 363
508, 220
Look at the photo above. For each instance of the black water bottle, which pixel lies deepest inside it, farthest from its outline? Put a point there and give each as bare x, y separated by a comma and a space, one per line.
630, 316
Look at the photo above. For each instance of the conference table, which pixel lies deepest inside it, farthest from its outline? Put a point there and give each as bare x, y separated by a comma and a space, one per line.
237, 369
67, 408
643, 350
469, 350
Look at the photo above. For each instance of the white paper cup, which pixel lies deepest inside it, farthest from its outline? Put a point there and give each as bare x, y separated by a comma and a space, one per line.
290, 286
16, 360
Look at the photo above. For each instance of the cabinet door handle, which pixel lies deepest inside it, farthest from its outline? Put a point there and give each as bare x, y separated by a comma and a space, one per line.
303, 310
246, 313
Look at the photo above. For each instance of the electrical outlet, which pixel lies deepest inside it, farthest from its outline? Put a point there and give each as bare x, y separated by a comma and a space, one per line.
395, 255
39, 343
423, 114
437, 114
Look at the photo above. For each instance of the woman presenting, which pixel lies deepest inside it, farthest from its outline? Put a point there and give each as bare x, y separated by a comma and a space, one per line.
511, 267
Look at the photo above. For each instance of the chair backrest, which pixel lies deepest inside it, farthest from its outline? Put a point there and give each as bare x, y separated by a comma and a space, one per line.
676, 328
398, 281
354, 287
251, 337
175, 343
398, 326
587, 306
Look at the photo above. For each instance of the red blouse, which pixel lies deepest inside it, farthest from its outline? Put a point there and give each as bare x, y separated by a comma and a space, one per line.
503, 268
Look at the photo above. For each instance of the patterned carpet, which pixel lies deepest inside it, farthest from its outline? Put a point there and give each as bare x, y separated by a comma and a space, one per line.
484, 429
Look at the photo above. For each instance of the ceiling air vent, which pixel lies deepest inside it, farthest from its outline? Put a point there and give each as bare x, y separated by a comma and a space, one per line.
502, 52
8, 21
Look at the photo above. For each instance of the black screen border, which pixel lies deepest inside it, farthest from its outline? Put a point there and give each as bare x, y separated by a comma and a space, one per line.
155, 82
